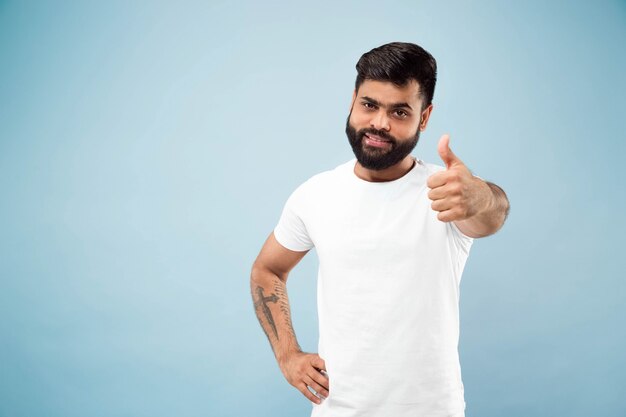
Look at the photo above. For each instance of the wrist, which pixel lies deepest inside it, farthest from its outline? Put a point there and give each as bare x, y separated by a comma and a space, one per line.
481, 200
284, 357
488, 198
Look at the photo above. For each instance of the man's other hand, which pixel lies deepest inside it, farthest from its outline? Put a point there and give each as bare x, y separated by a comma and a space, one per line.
304, 370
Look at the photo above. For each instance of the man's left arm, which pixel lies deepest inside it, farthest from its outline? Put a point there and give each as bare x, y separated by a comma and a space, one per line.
477, 207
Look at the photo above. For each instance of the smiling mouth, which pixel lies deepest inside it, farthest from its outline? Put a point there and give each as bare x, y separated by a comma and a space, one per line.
376, 138
376, 141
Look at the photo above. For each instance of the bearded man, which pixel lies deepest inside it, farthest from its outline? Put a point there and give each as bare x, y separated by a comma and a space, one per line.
392, 234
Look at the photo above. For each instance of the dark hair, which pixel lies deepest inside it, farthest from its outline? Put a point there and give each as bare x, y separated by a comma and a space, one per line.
399, 62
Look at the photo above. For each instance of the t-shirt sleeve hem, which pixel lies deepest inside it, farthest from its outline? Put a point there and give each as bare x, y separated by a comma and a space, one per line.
289, 244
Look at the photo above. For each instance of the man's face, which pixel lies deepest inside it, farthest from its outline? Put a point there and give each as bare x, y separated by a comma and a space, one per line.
384, 123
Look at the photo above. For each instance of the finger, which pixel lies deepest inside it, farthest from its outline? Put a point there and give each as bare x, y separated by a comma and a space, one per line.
445, 153
319, 378
437, 179
449, 215
449, 176
317, 387
444, 204
439, 193
304, 390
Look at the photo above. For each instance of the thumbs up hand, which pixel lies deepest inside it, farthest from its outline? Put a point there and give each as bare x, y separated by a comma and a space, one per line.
455, 192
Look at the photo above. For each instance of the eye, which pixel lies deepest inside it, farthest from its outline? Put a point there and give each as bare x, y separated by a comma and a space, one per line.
368, 105
402, 114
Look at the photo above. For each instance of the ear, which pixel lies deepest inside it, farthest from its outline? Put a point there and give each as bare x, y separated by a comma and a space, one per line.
425, 116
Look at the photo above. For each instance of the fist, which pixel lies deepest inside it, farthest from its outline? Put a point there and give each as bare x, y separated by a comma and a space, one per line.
303, 370
456, 194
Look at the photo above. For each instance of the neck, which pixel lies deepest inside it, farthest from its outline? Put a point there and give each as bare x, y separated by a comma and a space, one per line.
392, 173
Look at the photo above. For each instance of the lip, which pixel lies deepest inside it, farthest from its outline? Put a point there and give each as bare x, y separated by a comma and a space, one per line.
376, 141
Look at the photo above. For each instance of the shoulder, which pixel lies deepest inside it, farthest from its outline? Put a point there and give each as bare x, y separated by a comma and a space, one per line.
325, 180
316, 189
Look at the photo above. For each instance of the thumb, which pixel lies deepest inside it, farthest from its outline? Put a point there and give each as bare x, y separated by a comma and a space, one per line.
447, 156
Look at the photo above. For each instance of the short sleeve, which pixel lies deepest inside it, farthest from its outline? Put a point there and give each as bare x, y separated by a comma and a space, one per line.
461, 240
460, 245
291, 231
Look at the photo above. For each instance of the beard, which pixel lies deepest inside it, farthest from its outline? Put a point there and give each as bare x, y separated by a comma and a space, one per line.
379, 158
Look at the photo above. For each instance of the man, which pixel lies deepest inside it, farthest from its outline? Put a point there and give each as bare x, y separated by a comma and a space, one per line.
392, 235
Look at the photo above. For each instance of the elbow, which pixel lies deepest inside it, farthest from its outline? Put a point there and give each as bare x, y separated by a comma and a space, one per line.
256, 272
261, 273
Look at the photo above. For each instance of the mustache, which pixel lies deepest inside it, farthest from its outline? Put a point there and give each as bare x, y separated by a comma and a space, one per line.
380, 133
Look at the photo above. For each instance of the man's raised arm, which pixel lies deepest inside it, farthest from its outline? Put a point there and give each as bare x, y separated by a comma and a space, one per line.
477, 207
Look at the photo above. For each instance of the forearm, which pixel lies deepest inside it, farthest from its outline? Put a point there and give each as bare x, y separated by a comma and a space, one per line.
271, 304
489, 220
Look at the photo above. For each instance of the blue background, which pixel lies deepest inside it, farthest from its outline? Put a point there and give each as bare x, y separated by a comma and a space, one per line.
146, 151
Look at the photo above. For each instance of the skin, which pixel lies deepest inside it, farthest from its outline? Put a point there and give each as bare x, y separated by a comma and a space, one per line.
478, 208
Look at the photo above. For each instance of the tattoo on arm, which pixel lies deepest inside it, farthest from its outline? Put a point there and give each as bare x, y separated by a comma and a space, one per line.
261, 303
279, 289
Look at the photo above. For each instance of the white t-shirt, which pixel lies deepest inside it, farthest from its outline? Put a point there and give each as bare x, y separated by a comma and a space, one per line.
387, 292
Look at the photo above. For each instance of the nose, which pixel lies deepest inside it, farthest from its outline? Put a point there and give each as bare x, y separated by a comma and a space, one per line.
380, 121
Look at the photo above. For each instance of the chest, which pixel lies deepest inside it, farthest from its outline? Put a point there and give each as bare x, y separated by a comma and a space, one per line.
377, 230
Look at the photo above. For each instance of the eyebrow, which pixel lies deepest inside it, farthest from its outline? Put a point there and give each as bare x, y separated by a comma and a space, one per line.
392, 105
